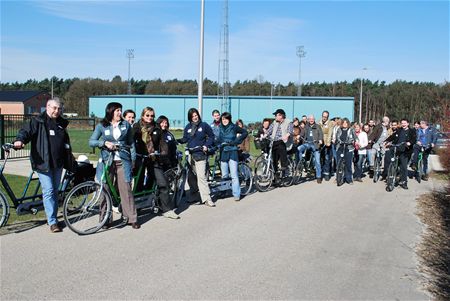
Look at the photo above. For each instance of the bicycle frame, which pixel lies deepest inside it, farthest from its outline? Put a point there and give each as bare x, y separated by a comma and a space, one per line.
112, 189
31, 203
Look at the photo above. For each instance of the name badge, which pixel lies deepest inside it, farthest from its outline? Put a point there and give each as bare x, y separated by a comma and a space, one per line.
310, 134
52, 133
154, 133
107, 132
190, 130
169, 138
123, 128
200, 129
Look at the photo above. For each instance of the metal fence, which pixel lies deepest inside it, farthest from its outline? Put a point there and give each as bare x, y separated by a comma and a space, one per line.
11, 124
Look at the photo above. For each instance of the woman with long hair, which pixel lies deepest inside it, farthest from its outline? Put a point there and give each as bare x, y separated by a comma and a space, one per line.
230, 137
199, 138
345, 141
113, 130
148, 137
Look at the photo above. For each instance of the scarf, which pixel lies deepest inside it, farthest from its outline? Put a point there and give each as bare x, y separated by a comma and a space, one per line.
146, 130
194, 127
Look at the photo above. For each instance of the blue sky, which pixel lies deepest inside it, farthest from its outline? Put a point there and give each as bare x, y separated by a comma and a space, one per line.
406, 40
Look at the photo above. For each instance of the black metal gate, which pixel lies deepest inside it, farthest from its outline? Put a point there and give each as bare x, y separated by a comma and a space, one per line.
11, 124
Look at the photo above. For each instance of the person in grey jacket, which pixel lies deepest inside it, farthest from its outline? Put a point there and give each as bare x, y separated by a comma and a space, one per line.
111, 131
49, 145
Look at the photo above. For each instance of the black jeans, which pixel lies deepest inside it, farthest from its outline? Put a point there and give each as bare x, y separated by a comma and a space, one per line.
348, 159
403, 159
166, 203
279, 153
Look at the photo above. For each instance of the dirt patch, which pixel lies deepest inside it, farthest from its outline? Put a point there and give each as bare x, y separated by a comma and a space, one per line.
434, 249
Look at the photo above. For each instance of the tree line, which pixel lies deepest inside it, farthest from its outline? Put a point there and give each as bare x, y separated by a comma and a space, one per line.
414, 100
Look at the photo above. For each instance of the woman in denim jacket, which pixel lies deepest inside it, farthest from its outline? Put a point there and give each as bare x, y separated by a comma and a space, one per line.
230, 136
111, 131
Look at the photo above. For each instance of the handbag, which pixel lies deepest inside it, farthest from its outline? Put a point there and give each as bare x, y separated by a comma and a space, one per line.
198, 156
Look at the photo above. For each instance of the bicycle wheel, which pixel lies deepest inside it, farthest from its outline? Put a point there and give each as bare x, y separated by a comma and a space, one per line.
263, 175
299, 172
245, 178
171, 176
289, 176
4, 209
376, 170
419, 172
391, 177
87, 208
179, 187
340, 172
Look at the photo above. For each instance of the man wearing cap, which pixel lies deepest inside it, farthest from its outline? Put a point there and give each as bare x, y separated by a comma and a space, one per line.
313, 137
281, 132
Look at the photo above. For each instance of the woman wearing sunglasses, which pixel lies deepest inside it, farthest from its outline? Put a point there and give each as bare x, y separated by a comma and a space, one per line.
148, 136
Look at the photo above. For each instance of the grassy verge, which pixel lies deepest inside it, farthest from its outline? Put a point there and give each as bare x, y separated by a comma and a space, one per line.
434, 249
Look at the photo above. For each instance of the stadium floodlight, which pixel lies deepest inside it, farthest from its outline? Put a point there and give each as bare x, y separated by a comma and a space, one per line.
301, 54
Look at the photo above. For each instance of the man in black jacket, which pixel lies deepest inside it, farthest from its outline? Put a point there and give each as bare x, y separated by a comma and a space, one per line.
49, 146
406, 137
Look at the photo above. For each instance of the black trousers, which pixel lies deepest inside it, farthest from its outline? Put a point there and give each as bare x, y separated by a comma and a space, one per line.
279, 153
155, 174
403, 159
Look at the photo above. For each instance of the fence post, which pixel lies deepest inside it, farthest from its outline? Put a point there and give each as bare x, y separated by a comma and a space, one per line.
2, 135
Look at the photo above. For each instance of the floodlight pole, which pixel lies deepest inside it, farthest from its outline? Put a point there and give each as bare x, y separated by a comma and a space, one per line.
301, 54
200, 75
360, 98
130, 55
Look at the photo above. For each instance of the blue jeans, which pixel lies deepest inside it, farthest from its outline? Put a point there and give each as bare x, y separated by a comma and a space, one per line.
231, 167
359, 166
50, 186
328, 154
311, 146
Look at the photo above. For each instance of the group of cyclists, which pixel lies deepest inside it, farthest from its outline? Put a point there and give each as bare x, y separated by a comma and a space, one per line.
357, 144
147, 144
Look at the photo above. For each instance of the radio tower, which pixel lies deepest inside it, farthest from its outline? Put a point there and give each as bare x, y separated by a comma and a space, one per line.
224, 82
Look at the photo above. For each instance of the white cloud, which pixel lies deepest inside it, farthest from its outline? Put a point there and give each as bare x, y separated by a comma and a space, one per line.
83, 11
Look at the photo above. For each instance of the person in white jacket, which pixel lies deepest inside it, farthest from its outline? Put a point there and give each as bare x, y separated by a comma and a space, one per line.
360, 147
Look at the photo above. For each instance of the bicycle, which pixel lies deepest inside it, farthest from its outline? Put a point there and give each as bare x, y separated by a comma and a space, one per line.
420, 172
217, 184
340, 169
24, 204
377, 164
306, 167
391, 179
88, 206
264, 172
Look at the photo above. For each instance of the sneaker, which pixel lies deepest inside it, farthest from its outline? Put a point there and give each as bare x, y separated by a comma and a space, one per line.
237, 199
171, 214
358, 180
404, 186
55, 228
319, 181
413, 167
425, 177
209, 203
350, 183
327, 178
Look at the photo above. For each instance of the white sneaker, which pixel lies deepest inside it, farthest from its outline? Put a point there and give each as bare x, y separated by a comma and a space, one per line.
115, 209
171, 214
209, 203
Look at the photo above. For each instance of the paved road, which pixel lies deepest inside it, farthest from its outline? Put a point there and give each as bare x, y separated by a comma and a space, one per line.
305, 242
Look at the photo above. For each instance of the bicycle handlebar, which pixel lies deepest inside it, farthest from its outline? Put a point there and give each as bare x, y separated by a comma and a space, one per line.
8, 146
